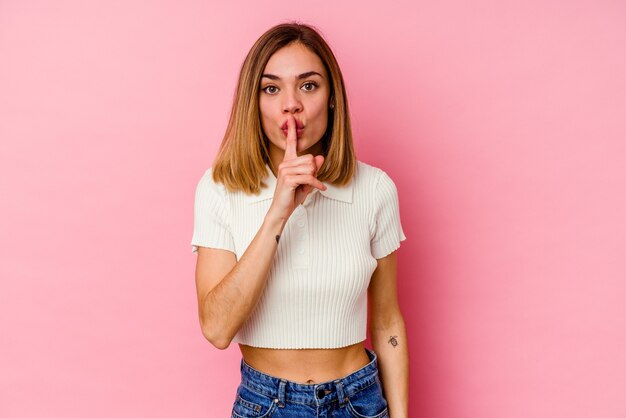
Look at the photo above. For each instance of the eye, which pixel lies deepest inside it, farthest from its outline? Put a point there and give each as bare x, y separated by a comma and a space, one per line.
270, 89
309, 86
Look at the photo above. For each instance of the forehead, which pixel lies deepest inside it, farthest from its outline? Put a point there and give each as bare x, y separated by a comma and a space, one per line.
292, 60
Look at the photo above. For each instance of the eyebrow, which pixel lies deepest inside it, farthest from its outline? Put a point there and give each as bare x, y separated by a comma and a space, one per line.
300, 77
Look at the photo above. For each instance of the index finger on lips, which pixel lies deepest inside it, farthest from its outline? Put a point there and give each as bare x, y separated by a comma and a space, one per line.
292, 139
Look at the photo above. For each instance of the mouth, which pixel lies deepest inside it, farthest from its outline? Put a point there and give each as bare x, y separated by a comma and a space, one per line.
299, 128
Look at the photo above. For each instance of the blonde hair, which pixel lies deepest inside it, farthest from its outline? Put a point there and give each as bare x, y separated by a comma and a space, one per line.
240, 162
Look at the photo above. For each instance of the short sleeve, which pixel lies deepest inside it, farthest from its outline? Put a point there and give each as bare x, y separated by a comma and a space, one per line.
210, 216
388, 231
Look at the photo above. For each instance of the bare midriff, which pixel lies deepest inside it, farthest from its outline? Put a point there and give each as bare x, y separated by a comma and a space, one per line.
306, 366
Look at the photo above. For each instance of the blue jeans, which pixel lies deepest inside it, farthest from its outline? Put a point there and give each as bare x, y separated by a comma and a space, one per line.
358, 395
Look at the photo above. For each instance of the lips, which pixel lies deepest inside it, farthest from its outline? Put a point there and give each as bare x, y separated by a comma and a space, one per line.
299, 128
299, 125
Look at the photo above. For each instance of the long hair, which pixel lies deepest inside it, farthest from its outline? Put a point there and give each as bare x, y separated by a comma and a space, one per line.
240, 162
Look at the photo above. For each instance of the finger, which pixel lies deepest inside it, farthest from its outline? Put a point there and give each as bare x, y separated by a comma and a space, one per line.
301, 160
299, 169
306, 179
303, 164
319, 160
292, 139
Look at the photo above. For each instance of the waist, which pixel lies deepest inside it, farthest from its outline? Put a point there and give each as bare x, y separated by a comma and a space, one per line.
306, 366
292, 391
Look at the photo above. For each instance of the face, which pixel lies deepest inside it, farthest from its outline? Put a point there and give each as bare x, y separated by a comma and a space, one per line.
294, 81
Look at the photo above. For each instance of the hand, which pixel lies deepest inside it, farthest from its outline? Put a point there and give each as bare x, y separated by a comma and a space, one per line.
296, 176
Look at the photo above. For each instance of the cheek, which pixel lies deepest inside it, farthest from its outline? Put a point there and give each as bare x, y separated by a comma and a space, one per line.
320, 114
319, 107
262, 109
265, 115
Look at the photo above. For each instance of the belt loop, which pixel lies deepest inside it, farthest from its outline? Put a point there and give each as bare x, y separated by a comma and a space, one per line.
281, 393
340, 394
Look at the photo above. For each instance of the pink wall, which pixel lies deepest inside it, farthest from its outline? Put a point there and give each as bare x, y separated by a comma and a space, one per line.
502, 124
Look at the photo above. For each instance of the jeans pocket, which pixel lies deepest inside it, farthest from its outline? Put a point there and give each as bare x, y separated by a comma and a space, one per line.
368, 402
251, 404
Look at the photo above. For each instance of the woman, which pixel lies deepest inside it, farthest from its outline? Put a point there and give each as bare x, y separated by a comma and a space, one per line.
293, 237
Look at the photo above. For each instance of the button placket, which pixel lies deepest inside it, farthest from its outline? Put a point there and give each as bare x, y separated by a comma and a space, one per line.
300, 245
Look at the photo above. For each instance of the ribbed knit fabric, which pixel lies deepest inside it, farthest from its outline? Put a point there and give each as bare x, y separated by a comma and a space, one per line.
316, 293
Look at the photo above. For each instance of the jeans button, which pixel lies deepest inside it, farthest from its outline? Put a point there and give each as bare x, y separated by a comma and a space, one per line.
320, 393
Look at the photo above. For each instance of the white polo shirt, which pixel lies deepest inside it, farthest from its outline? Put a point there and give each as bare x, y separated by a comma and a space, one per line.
316, 292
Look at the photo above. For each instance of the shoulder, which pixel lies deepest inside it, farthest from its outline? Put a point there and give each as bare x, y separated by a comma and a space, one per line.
372, 176
208, 186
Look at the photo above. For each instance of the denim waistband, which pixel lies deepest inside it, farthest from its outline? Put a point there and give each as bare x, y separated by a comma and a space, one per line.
315, 393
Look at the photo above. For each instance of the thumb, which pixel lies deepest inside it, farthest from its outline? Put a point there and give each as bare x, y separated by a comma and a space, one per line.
319, 160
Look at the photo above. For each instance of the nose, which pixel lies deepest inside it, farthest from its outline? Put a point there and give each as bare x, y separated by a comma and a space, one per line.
291, 103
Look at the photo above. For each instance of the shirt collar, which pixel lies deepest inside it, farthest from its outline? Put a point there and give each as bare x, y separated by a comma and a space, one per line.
340, 193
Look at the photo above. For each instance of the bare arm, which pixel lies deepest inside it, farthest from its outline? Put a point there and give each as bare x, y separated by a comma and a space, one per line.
388, 335
228, 290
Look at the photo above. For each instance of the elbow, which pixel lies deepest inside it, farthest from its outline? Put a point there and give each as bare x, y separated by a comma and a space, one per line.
219, 341
221, 344
386, 323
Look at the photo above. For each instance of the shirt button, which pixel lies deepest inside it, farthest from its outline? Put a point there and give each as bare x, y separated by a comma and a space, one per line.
301, 251
300, 224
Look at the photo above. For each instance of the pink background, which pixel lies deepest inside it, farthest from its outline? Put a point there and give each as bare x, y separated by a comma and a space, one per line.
503, 125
